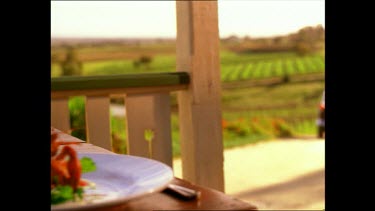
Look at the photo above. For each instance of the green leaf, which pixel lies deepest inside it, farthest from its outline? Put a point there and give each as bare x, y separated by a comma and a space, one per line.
87, 164
79, 192
60, 194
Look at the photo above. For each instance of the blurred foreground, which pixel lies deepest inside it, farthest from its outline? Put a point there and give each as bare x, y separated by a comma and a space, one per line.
279, 174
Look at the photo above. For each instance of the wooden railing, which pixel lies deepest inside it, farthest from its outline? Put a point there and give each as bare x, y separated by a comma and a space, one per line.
147, 104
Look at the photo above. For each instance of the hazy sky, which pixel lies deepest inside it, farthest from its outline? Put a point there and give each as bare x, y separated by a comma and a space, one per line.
255, 18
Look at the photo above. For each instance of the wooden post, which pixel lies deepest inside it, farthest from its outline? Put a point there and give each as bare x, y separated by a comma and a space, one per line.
200, 105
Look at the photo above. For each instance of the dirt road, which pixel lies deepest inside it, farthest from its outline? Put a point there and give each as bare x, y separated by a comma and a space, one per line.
279, 174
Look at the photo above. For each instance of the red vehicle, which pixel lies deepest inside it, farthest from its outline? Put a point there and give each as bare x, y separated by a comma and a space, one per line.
321, 118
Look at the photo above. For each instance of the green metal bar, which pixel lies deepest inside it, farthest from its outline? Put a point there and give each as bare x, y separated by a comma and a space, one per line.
119, 81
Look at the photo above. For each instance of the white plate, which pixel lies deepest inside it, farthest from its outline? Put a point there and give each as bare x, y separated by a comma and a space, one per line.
119, 178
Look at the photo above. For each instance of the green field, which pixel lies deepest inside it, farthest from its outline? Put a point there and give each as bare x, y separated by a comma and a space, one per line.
249, 114
233, 66
260, 66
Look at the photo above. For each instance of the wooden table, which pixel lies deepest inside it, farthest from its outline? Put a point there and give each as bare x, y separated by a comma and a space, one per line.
209, 199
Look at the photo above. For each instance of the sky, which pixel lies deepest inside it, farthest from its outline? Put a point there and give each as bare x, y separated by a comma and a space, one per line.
157, 19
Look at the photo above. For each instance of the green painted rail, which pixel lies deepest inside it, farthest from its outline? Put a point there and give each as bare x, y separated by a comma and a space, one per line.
119, 81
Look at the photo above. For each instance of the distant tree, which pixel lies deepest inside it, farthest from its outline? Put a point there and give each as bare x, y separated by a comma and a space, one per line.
247, 38
303, 48
54, 58
309, 39
71, 65
286, 78
144, 61
233, 39
277, 40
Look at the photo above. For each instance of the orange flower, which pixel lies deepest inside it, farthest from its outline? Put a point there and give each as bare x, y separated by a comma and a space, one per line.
224, 123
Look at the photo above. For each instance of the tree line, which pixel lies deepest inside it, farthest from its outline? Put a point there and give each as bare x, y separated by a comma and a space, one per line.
305, 41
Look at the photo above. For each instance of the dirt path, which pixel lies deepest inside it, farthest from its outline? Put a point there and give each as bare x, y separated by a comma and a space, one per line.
280, 174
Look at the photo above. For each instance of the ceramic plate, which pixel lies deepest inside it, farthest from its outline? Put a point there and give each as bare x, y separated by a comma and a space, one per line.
119, 178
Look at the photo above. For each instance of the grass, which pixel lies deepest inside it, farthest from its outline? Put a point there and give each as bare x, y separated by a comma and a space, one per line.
294, 103
241, 141
283, 94
306, 127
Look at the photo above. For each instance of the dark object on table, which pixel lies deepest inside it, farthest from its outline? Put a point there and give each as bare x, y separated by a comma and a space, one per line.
182, 192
